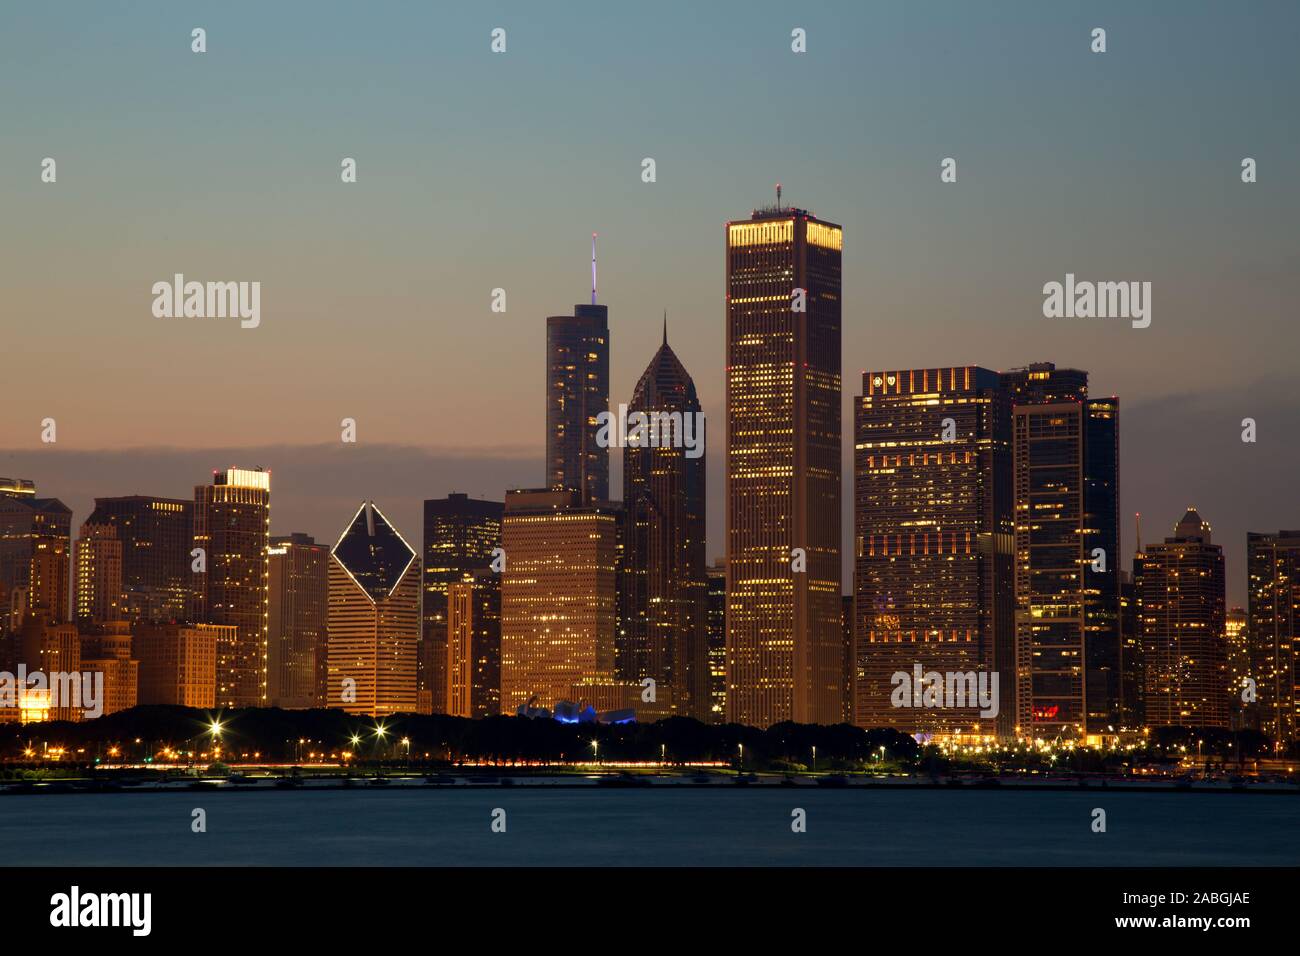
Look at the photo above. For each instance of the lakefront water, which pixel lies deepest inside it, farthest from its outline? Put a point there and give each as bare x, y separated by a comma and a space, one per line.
662, 826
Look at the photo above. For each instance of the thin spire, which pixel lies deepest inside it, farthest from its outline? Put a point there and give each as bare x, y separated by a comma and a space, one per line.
1138, 516
593, 268
778, 195
665, 326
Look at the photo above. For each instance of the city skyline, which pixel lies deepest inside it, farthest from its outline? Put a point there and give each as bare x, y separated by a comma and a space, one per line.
924, 287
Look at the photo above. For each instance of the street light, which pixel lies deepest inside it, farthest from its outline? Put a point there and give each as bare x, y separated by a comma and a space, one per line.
595, 751
814, 758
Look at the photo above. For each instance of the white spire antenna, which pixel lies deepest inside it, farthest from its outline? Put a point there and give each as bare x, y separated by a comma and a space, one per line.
593, 268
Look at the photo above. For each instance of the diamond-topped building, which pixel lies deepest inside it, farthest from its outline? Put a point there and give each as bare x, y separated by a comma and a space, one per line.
374, 618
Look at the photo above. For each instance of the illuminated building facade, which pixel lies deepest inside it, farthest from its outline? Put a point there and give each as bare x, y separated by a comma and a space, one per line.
178, 662
933, 543
784, 641
577, 391
473, 663
460, 534
54, 648
35, 553
156, 535
558, 599
664, 628
717, 624
1133, 677
1066, 477
107, 650
1184, 646
1236, 633
97, 570
232, 525
374, 618
1273, 631
298, 607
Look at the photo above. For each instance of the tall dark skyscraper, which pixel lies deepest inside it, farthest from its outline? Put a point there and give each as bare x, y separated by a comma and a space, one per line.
460, 534
577, 391
298, 619
157, 535
784, 641
717, 577
1184, 644
35, 555
232, 525
1273, 633
933, 540
1066, 454
665, 590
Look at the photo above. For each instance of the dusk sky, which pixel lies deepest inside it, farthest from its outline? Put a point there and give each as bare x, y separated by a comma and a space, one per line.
479, 170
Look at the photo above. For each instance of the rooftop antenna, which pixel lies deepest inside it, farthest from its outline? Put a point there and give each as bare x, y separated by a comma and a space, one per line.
593, 268
778, 195
1138, 517
665, 326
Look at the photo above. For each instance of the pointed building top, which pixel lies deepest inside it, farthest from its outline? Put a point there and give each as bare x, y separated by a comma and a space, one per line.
665, 326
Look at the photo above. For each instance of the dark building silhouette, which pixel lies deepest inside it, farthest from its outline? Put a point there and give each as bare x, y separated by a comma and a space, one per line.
460, 534
156, 535
933, 538
298, 621
1066, 479
664, 589
1273, 633
785, 650
577, 391
1184, 644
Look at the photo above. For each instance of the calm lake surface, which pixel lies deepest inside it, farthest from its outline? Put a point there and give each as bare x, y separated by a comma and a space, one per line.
667, 826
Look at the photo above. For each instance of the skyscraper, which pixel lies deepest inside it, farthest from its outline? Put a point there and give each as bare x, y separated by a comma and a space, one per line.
232, 524
717, 578
35, 552
1237, 634
1184, 646
474, 645
577, 391
107, 650
1066, 479
298, 618
933, 542
784, 641
374, 618
178, 662
557, 595
156, 535
460, 535
97, 571
665, 628
1273, 632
